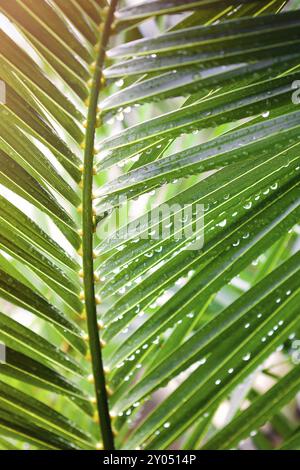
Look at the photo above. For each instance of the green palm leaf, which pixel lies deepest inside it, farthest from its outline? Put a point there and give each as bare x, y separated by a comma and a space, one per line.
119, 332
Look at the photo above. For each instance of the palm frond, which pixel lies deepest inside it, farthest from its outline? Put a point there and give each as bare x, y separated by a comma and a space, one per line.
121, 337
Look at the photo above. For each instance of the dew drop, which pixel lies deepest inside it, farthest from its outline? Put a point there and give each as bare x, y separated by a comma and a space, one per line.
246, 357
222, 223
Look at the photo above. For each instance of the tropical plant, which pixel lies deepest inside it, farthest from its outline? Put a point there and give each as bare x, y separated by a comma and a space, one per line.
121, 338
